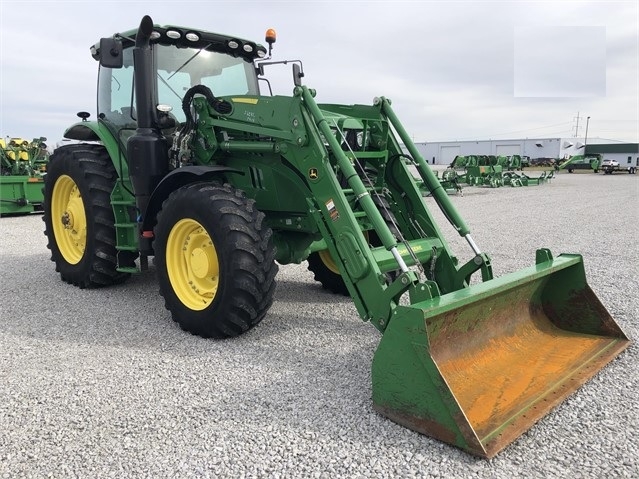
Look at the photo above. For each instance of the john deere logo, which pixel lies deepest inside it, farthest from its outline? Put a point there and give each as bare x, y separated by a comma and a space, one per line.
312, 173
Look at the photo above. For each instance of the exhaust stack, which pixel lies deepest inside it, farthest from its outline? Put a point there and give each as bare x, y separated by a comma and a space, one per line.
147, 149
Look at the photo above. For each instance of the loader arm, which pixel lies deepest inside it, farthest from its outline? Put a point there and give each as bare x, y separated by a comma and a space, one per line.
321, 190
317, 194
419, 244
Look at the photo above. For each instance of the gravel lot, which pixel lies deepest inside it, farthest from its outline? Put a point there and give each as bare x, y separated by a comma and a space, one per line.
101, 383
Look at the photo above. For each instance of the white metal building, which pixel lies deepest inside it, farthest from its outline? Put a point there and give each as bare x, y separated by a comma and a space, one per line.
627, 154
443, 153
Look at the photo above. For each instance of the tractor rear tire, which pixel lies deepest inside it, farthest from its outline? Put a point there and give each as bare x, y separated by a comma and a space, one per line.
215, 260
325, 271
78, 217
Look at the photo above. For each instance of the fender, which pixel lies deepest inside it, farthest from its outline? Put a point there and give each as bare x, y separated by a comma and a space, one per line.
97, 131
176, 179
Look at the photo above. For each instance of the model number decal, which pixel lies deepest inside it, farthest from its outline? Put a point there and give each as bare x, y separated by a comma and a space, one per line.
250, 116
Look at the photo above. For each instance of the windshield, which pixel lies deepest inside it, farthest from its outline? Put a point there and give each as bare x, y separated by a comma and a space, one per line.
179, 69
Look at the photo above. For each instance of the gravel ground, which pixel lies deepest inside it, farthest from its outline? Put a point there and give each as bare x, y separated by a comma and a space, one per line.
101, 383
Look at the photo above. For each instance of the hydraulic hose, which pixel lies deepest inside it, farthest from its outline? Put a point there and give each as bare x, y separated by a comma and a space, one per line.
430, 180
221, 106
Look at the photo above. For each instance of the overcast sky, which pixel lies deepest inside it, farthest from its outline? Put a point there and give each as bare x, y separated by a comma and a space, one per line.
454, 70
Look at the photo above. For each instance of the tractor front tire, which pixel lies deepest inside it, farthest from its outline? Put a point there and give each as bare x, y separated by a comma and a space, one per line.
78, 217
215, 260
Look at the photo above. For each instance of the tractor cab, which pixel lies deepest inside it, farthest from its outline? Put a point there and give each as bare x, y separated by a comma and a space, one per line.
181, 58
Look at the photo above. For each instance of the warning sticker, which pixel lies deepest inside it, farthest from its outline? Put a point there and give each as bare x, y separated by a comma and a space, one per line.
332, 210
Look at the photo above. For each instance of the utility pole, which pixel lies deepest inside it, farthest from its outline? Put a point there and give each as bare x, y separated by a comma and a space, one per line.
586, 138
577, 126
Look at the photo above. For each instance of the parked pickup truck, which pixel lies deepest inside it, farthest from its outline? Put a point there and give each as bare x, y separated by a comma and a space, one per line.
610, 166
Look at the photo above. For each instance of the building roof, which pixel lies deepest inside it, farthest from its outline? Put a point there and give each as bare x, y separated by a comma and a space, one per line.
613, 148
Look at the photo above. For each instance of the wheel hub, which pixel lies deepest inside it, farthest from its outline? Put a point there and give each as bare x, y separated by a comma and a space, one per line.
200, 263
66, 220
71, 230
192, 264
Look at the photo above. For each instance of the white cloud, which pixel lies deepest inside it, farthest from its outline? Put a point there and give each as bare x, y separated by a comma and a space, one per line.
448, 66
560, 61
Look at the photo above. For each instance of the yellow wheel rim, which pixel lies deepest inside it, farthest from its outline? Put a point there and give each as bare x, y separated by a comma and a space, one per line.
192, 264
69, 219
328, 261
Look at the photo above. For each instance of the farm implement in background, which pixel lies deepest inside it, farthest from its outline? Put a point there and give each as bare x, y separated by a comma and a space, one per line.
23, 165
581, 162
493, 171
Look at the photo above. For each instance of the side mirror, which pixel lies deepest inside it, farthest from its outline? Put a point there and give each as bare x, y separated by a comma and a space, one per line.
297, 74
111, 53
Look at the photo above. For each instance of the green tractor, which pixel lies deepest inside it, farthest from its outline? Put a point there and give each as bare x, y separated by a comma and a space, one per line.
220, 183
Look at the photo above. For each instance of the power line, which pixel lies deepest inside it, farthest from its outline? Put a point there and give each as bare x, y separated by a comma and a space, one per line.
518, 131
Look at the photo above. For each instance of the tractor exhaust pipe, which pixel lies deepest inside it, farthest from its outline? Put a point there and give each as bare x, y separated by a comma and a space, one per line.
147, 149
144, 77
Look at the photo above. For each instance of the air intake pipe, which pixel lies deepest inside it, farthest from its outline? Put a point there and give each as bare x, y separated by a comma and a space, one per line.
147, 149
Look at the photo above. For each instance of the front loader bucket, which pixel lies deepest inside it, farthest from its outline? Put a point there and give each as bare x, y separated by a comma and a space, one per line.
478, 367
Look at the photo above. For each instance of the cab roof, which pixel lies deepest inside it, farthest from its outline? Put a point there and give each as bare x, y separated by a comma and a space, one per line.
186, 37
